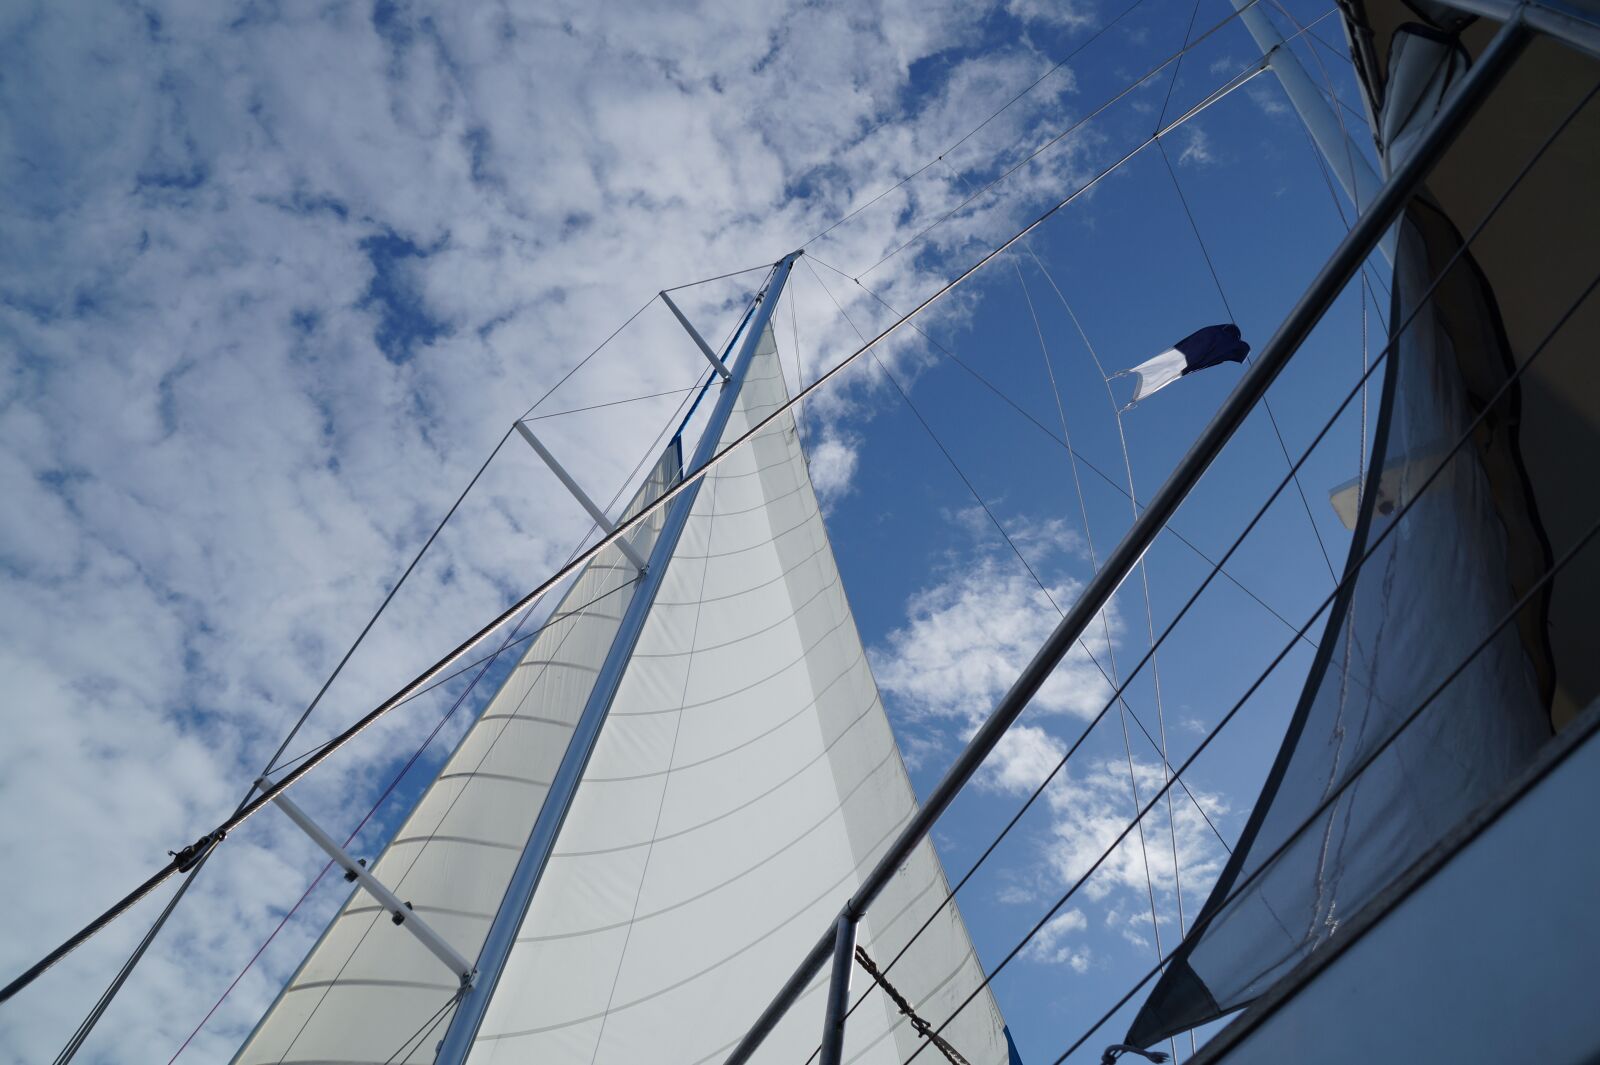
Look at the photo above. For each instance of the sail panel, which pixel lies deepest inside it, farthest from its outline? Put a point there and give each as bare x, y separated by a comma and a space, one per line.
744, 782
368, 984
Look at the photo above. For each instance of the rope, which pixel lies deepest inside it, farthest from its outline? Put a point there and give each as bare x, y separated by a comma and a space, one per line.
918, 1024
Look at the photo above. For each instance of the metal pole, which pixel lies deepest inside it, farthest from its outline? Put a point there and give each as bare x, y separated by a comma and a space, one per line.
580, 495
1356, 176
838, 1008
1567, 23
403, 915
497, 945
1306, 313
710, 355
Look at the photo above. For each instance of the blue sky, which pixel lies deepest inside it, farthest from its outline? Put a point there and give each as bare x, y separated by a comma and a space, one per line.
276, 277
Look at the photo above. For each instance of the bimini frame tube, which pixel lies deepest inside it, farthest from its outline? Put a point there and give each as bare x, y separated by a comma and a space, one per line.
463, 1030
1356, 246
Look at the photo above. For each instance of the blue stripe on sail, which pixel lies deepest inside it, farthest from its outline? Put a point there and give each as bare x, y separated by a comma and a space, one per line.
1012, 1057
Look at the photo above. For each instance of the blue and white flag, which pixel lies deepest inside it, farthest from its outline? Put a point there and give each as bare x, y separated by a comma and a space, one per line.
1204, 347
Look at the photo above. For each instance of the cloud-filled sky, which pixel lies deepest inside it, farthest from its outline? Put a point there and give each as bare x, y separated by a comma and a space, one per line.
275, 278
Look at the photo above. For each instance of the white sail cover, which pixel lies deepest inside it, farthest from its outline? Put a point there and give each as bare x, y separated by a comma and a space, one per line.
368, 984
744, 781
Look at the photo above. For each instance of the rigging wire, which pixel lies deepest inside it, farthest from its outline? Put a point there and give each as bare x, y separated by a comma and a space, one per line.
90, 1020
1127, 747
1217, 567
1354, 568
1228, 306
1149, 614
1361, 767
1050, 433
994, 115
1099, 109
615, 403
420, 1036
994, 520
1351, 573
719, 277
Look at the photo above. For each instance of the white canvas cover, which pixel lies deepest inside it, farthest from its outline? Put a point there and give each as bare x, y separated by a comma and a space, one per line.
368, 984
745, 779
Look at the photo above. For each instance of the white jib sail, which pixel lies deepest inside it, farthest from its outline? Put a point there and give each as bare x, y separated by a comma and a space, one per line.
744, 781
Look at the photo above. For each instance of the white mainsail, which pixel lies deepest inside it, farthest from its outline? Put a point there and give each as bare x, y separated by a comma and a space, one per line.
745, 779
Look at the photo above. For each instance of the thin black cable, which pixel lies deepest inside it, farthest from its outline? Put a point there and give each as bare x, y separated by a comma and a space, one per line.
925, 166
719, 277
1099, 109
1352, 572
1355, 775
552, 620
1265, 404
614, 403
1047, 431
1015, 550
581, 363
1177, 67
1217, 567
420, 1036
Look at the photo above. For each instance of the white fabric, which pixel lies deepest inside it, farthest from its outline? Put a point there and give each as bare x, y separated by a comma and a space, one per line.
744, 781
368, 984
1157, 373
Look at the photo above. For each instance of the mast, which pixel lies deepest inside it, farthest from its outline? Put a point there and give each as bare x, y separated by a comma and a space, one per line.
1355, 175
458, 1039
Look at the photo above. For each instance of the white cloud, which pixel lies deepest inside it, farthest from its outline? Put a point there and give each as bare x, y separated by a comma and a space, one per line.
1197, 147
968, 636
831, 457
1070, 15
1053, 946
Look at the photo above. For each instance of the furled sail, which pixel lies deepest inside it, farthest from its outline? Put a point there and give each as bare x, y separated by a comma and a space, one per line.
743, 781
1460, 553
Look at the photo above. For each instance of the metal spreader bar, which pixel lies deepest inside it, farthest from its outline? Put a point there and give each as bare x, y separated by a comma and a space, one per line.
599, 516
400, 912
705, 348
